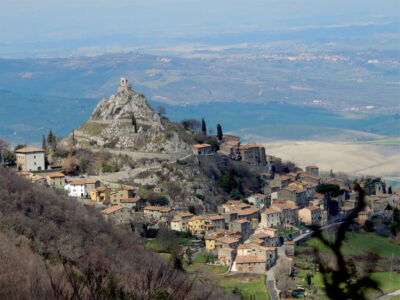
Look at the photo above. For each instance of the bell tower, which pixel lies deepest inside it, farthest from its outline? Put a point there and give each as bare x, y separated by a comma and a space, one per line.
124, 85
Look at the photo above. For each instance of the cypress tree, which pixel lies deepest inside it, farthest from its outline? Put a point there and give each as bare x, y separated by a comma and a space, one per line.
50, 138
219, 132
203, 127
134, 123
44, 143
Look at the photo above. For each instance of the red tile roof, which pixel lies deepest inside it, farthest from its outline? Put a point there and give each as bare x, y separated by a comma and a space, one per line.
199, 146
112, 209
56, 175
29, 150
240, 259
83, 181
130, 200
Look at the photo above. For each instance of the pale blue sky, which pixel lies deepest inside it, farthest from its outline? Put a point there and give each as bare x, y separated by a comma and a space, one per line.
52, 23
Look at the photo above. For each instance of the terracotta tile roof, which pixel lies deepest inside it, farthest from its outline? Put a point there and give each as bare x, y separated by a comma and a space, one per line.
232, 142
257, 242
186, 214
312, 207
249, 146
244, 246
29, 150
216, 217
247, 211
130, 200
305, 175
319, 196
282, 178
83, 181
158, 208
241, 221
210, 237
196, 218
112, 209
128, 188
346, 208
240, 259
270, 211
199, 146
56, 175
208, 225
102, 189
227, 240
311, 167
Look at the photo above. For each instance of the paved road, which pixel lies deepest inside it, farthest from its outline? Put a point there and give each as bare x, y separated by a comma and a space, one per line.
304, 235
389, 296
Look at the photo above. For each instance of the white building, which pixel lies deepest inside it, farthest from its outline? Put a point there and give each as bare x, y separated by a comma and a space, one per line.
81, 187
30, 159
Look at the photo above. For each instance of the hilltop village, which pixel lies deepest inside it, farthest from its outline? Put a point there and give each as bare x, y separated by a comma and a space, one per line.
247, 227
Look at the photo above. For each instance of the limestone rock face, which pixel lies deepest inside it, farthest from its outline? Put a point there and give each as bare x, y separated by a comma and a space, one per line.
111, 126
122, 105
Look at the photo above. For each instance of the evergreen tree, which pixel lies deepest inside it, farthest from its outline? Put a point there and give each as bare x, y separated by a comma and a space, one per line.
219, 132
203, 127
390, 190
44, 147
134, 123
331, 174
50, 138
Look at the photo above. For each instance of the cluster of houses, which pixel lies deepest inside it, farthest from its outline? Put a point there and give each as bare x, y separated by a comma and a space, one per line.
251, 153
243, 234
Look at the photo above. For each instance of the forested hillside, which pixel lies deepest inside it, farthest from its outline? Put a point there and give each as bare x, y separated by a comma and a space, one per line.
52, 247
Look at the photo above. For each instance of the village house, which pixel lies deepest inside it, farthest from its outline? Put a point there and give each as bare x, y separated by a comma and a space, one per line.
56, 180
310, 215
242, 226
294, 193
268, 236
289, 213
250, 264
233, 206
217, 221
225, 256
123, 193
293, 176
306, 177
210, 242
30, 159
230, 148
226, 242
38, 179
312, 170
260, 200
270, 218
157, 213
230, 216
253, 154
100, 194
249, 214
116, 215
281, 181
202, 149
180, 221
136, 203
196, 224
81, 187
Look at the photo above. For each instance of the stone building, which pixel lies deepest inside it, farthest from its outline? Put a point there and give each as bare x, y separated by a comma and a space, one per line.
202, 149
117, 214
270, 218
312, 170
253, 154
30, 159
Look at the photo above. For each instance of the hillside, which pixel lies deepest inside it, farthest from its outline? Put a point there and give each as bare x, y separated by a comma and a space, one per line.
127, 121
64, 250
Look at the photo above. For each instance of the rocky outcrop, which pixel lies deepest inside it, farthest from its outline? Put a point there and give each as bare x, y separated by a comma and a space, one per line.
112, 125
123, 105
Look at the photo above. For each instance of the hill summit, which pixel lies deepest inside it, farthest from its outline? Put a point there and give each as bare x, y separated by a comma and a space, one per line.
127, 121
